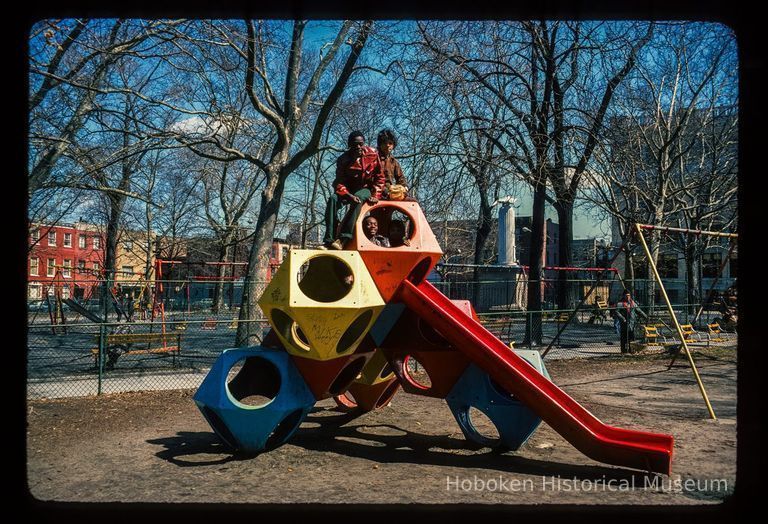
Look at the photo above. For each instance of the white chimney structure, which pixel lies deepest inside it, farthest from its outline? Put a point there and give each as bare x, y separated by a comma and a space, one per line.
506, 232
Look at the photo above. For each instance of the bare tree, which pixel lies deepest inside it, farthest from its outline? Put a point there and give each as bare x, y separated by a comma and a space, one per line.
70, 64
304, 97
669, 157
708, 196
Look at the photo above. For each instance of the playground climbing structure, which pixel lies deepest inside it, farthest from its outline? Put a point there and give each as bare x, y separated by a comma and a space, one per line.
351, 324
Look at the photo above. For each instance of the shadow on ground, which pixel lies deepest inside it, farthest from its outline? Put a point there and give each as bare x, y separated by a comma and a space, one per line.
328, 431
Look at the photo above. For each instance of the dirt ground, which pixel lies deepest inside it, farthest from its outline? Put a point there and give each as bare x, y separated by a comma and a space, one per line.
156, 447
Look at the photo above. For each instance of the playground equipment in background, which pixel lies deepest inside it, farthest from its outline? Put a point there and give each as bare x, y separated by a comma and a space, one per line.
599, 312
685, 332
126, 343
350, 325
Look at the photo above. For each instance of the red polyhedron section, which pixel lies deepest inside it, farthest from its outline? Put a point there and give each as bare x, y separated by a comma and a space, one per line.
370, 397
412, 337
389, 266
326, 378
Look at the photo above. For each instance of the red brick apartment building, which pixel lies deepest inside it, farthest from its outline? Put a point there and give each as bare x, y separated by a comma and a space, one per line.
65, 257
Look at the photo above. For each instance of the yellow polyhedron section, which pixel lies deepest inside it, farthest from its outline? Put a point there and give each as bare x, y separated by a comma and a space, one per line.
376, 370
321, 303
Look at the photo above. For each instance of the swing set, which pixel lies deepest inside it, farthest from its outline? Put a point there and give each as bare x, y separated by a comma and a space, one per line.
683, 331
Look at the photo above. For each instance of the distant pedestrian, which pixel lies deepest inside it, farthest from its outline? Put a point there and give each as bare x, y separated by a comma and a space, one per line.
625, 320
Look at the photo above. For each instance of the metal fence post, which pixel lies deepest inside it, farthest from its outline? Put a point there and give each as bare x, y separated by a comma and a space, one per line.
102, 340
530, 324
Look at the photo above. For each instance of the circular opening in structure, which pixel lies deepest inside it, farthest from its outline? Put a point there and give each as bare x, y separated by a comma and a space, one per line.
419, 273
430, 334
416, 373
355, 331
253, 381
299, 338
483, 427
283, 323
219, 427
389, 392
284, 430
325, 278
347, 375
386, 371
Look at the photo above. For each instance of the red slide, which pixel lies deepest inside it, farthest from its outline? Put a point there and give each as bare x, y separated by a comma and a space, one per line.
622, 447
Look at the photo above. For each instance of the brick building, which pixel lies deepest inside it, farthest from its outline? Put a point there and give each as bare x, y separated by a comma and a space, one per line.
65, 257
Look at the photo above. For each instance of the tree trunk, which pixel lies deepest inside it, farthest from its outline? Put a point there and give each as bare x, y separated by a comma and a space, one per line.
565, 292
691, 275
309, 211
218, 290
248, 332
150, 248
533, 331
481, 238
116, 203
629, 271
654, 247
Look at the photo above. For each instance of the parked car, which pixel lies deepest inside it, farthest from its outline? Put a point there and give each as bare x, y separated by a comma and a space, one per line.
42, 305
37, 305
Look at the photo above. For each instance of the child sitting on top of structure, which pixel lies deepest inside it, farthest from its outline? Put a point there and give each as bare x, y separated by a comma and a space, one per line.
359, 178
395, 187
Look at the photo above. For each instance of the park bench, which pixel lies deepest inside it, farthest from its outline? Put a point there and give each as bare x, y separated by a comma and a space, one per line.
233, 324
141, 344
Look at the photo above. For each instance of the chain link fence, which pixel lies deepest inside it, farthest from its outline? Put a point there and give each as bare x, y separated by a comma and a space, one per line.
170, 341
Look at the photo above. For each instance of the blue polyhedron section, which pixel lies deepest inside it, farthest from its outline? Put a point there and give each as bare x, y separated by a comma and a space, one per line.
265, 371
385, 322
514, 421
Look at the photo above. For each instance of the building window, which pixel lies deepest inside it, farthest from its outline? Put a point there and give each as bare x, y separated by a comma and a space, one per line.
128, 245
67, 239
35, 234
65, 292
96, 266
127, 270
710, 264
50, 270
34, 266
67, 271
668, 266
35, 291
81, 265
51, 238
81, 241
96, 243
